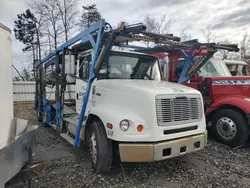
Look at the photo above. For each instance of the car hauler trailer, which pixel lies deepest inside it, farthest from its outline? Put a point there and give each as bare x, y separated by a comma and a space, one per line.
17, 137
121, 102
226, 97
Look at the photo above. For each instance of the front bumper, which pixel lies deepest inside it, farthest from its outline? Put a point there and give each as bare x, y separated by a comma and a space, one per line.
132, 152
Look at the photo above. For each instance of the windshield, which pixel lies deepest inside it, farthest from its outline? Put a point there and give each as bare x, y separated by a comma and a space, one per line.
214, 67
122, 65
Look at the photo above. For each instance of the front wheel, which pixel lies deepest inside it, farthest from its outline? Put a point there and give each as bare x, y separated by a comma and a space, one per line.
100, 148
230, 127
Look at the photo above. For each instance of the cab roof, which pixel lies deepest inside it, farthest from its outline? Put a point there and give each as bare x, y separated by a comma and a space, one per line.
234, 62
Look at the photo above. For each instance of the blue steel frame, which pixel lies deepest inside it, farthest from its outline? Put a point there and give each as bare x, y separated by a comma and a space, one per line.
96, 46
191, 45
84, 36
188, 58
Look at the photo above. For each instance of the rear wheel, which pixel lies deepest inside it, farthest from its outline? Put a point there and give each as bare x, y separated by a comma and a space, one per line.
100, 148
39, 116
44, 119
230, 127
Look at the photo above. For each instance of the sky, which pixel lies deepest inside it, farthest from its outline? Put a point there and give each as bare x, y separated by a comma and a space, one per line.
228, 19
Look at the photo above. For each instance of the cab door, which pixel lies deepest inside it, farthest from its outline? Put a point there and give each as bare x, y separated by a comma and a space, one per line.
177, 66
83, 67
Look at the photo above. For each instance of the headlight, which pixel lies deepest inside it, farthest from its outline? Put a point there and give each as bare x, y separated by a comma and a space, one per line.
124, 125
247, 99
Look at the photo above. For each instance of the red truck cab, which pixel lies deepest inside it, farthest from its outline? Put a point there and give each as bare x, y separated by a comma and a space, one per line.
226, 97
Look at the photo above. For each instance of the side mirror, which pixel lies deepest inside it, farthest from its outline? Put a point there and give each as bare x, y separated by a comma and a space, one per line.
165, 72
70, 67
165, 67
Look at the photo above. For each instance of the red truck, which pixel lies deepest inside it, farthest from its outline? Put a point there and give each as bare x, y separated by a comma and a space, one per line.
226, 97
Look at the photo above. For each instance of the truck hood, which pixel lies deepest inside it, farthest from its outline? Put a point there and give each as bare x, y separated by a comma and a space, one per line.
149, 86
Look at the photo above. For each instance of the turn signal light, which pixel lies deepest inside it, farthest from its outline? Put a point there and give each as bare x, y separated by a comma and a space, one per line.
139, 128
109, 125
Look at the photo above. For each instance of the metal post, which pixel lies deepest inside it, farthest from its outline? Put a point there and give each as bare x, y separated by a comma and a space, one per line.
57, 93
29, 161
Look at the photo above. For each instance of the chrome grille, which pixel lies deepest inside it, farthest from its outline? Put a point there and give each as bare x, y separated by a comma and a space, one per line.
178, 110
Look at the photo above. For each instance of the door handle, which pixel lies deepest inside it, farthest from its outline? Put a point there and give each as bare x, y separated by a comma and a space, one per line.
77, 95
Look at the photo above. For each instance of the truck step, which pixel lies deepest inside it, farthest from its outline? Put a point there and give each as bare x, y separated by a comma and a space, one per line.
68, 138
68, 110
73, 124
74, 120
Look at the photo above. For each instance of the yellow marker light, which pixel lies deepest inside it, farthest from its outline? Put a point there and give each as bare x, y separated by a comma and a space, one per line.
139, 128
122, 26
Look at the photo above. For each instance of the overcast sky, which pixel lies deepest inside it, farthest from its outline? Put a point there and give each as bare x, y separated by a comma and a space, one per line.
230, 19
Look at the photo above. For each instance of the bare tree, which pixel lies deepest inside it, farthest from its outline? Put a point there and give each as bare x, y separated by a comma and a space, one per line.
208, 34
161, 26
49, 12
39, 24
244, 46
68, 12
184, 35
234, 56
224, 53
18, 72
26, 74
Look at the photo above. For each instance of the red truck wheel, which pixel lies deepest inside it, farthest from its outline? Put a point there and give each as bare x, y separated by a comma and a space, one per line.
230, 127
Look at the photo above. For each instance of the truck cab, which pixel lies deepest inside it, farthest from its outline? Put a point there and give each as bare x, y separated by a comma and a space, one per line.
226, 97
236, 67
129, 95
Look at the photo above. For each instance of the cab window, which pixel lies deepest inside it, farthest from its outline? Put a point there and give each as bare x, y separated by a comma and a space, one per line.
130, 66
178, 67
208, 70
84, 67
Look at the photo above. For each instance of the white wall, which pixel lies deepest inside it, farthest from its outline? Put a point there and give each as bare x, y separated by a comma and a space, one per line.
25, 91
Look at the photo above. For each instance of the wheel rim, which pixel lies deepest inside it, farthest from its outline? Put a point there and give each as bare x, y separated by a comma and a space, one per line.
93, 150
226, 128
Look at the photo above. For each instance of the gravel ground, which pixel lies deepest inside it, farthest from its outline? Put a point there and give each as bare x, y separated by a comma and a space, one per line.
215, 166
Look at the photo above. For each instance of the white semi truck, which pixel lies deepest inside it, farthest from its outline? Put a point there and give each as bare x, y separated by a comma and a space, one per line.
121, 104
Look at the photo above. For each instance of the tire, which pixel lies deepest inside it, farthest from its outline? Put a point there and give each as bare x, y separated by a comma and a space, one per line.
100, 148
230, 127
44, 119
39, 116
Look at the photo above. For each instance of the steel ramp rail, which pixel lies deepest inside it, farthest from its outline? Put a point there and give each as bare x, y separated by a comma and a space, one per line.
191, 45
